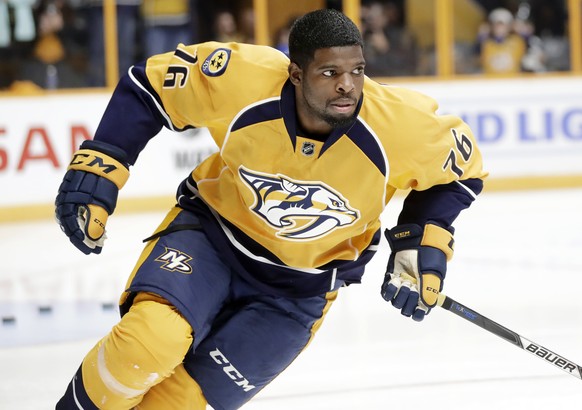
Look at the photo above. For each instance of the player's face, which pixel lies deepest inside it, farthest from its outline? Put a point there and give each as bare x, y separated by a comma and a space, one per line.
329, 88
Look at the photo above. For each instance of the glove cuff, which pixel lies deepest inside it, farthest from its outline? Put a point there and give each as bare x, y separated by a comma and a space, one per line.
440, 238
409, 236
106, 148
405, 236
92, 158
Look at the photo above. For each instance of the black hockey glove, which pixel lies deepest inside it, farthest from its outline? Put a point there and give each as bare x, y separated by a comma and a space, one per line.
88, 193
420, 253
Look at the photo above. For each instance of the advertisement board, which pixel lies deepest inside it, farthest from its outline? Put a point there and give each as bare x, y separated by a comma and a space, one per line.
525, 128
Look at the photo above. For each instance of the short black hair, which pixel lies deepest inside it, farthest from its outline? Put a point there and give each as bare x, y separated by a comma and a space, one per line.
322, 28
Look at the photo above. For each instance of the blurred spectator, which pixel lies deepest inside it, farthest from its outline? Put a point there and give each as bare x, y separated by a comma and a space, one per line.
226, 28
534, 58
282, 36
500, 48
550, 22
166, 24
389, 48
17, 33
246, 21
232, 20
128, 19
465, 58
22, 28
51, 63
59, 43
542, 25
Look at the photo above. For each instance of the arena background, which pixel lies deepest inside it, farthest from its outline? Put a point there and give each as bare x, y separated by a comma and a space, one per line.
517, 257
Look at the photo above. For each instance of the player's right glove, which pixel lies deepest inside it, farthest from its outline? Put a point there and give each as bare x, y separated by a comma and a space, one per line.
88, 193
417, 267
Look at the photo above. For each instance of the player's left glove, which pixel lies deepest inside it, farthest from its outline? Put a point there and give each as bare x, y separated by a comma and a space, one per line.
421, 253
88, 193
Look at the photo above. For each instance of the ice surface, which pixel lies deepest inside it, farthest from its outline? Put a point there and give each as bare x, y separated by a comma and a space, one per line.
517, 261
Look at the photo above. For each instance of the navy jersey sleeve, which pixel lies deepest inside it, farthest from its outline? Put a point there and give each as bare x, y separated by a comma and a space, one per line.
440, 204
133, 115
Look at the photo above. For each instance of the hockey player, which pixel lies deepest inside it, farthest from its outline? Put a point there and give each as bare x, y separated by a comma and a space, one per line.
238, 277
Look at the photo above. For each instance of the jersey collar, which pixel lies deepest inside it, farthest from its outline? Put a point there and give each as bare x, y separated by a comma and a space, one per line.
290, 118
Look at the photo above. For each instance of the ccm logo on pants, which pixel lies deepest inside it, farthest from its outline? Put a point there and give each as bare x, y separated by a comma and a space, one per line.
230, 370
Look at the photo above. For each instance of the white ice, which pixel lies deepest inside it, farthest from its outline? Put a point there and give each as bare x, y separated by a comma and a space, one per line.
518, 261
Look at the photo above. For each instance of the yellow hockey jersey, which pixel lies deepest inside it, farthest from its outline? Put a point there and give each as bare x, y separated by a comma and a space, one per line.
294, 214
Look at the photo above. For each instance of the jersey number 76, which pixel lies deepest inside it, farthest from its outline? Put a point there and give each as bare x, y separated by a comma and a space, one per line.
463, 148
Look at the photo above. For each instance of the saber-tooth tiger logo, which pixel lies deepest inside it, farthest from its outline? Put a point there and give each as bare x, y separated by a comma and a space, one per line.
300, 210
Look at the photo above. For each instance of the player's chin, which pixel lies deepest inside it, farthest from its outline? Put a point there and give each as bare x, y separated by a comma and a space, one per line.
340, 120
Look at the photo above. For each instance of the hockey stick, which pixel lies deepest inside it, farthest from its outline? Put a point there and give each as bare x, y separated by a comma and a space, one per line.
476, 318
558, 361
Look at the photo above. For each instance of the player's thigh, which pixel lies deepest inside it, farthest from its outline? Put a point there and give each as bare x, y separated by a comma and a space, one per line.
253, 345
180, 264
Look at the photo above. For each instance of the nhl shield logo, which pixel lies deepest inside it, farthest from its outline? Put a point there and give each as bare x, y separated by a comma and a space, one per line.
308, 148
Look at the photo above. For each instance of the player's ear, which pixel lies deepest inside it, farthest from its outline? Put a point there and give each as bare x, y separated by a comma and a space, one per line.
295, 73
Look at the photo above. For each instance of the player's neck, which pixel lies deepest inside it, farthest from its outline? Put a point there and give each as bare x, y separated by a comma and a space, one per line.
318, 136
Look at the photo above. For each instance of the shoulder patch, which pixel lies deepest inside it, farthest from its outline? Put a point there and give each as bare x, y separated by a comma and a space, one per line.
216, 63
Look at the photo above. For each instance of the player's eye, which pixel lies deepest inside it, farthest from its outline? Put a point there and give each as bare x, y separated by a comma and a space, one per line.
328, 73
358, 71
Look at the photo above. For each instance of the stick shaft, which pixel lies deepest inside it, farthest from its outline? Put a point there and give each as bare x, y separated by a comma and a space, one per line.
541, 352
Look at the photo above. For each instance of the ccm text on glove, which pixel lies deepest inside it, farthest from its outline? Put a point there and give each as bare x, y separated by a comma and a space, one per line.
88, 193
423, 253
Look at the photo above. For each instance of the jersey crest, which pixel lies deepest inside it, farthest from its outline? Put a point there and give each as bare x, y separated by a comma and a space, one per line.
298, 210
174, 260
216, 63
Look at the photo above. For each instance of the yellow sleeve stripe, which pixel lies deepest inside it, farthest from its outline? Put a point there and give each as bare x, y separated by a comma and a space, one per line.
100, 164
439, 238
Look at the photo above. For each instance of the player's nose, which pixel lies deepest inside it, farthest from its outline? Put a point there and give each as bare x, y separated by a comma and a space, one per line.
345, 83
